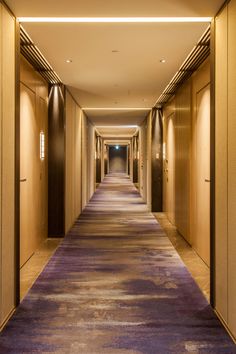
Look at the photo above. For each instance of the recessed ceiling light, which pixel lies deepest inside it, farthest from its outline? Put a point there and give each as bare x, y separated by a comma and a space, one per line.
68, 61
162, 61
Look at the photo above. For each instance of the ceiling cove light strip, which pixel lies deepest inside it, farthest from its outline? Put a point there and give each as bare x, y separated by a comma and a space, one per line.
116, 126
112, 19
116, 109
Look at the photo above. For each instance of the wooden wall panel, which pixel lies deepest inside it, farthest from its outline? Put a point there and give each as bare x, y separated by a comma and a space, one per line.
232, 166
98, 158
182, 159
84, 159
143, 160
91, 166
201, 239
73, 161
169, 167
28, 165
149, 161
7, 164
200, 106
157, 161
78, 157
168, 110
179, 148
225, 162
221, 167
33, 171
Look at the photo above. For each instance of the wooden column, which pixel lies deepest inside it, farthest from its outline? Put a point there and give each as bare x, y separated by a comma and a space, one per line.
157, 137
56, 161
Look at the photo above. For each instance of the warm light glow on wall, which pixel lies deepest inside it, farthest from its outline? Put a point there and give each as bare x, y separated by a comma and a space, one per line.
42, 146
164, 151
113, 19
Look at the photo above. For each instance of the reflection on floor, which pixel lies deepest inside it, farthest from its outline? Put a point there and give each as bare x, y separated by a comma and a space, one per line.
115, 285
31, 269
198, 269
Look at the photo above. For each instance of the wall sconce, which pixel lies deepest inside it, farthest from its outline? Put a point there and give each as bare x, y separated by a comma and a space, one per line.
42, 146
164, 151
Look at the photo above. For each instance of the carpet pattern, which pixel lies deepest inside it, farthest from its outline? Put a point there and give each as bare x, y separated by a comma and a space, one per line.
115, 286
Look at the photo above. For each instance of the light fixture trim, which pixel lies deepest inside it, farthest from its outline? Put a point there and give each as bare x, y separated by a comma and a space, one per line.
68, 61
113, 19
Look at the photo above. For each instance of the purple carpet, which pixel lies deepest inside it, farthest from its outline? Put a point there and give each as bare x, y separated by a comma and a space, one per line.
115, 286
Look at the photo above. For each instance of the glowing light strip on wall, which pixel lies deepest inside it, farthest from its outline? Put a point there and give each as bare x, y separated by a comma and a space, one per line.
113, 19
42, 146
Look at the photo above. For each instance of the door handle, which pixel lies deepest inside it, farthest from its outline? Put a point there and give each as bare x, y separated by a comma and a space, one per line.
207, 180
23, 179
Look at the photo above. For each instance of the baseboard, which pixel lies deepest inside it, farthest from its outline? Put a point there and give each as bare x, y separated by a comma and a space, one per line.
7, 319
225, 325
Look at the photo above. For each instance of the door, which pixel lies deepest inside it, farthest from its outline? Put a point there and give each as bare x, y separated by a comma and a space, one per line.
28, 131
202, 233
169, 169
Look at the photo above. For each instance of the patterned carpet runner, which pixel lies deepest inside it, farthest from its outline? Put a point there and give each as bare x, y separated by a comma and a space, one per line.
115, 286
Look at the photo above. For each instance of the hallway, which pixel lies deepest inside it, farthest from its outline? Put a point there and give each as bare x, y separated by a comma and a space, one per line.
115, 285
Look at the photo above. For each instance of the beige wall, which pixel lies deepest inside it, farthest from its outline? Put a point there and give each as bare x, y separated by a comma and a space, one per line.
73, 132
149, 160
34, 172
143, 160
7, 164
91, 166
180, 163
169, 163
88, 160
80, 161
84, 159
225, 179
144, 165
200, 163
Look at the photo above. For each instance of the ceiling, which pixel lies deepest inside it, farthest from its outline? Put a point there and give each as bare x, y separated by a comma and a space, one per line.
115, 65
117, 132
82, 8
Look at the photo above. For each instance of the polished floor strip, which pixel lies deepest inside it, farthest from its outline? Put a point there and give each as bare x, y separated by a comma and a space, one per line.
195, 265
115, 285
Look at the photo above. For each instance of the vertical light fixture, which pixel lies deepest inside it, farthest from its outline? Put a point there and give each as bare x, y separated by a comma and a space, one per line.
42, 146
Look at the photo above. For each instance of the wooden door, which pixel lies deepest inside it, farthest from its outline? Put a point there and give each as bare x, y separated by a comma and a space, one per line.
202, 232
28, 131
169, 168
